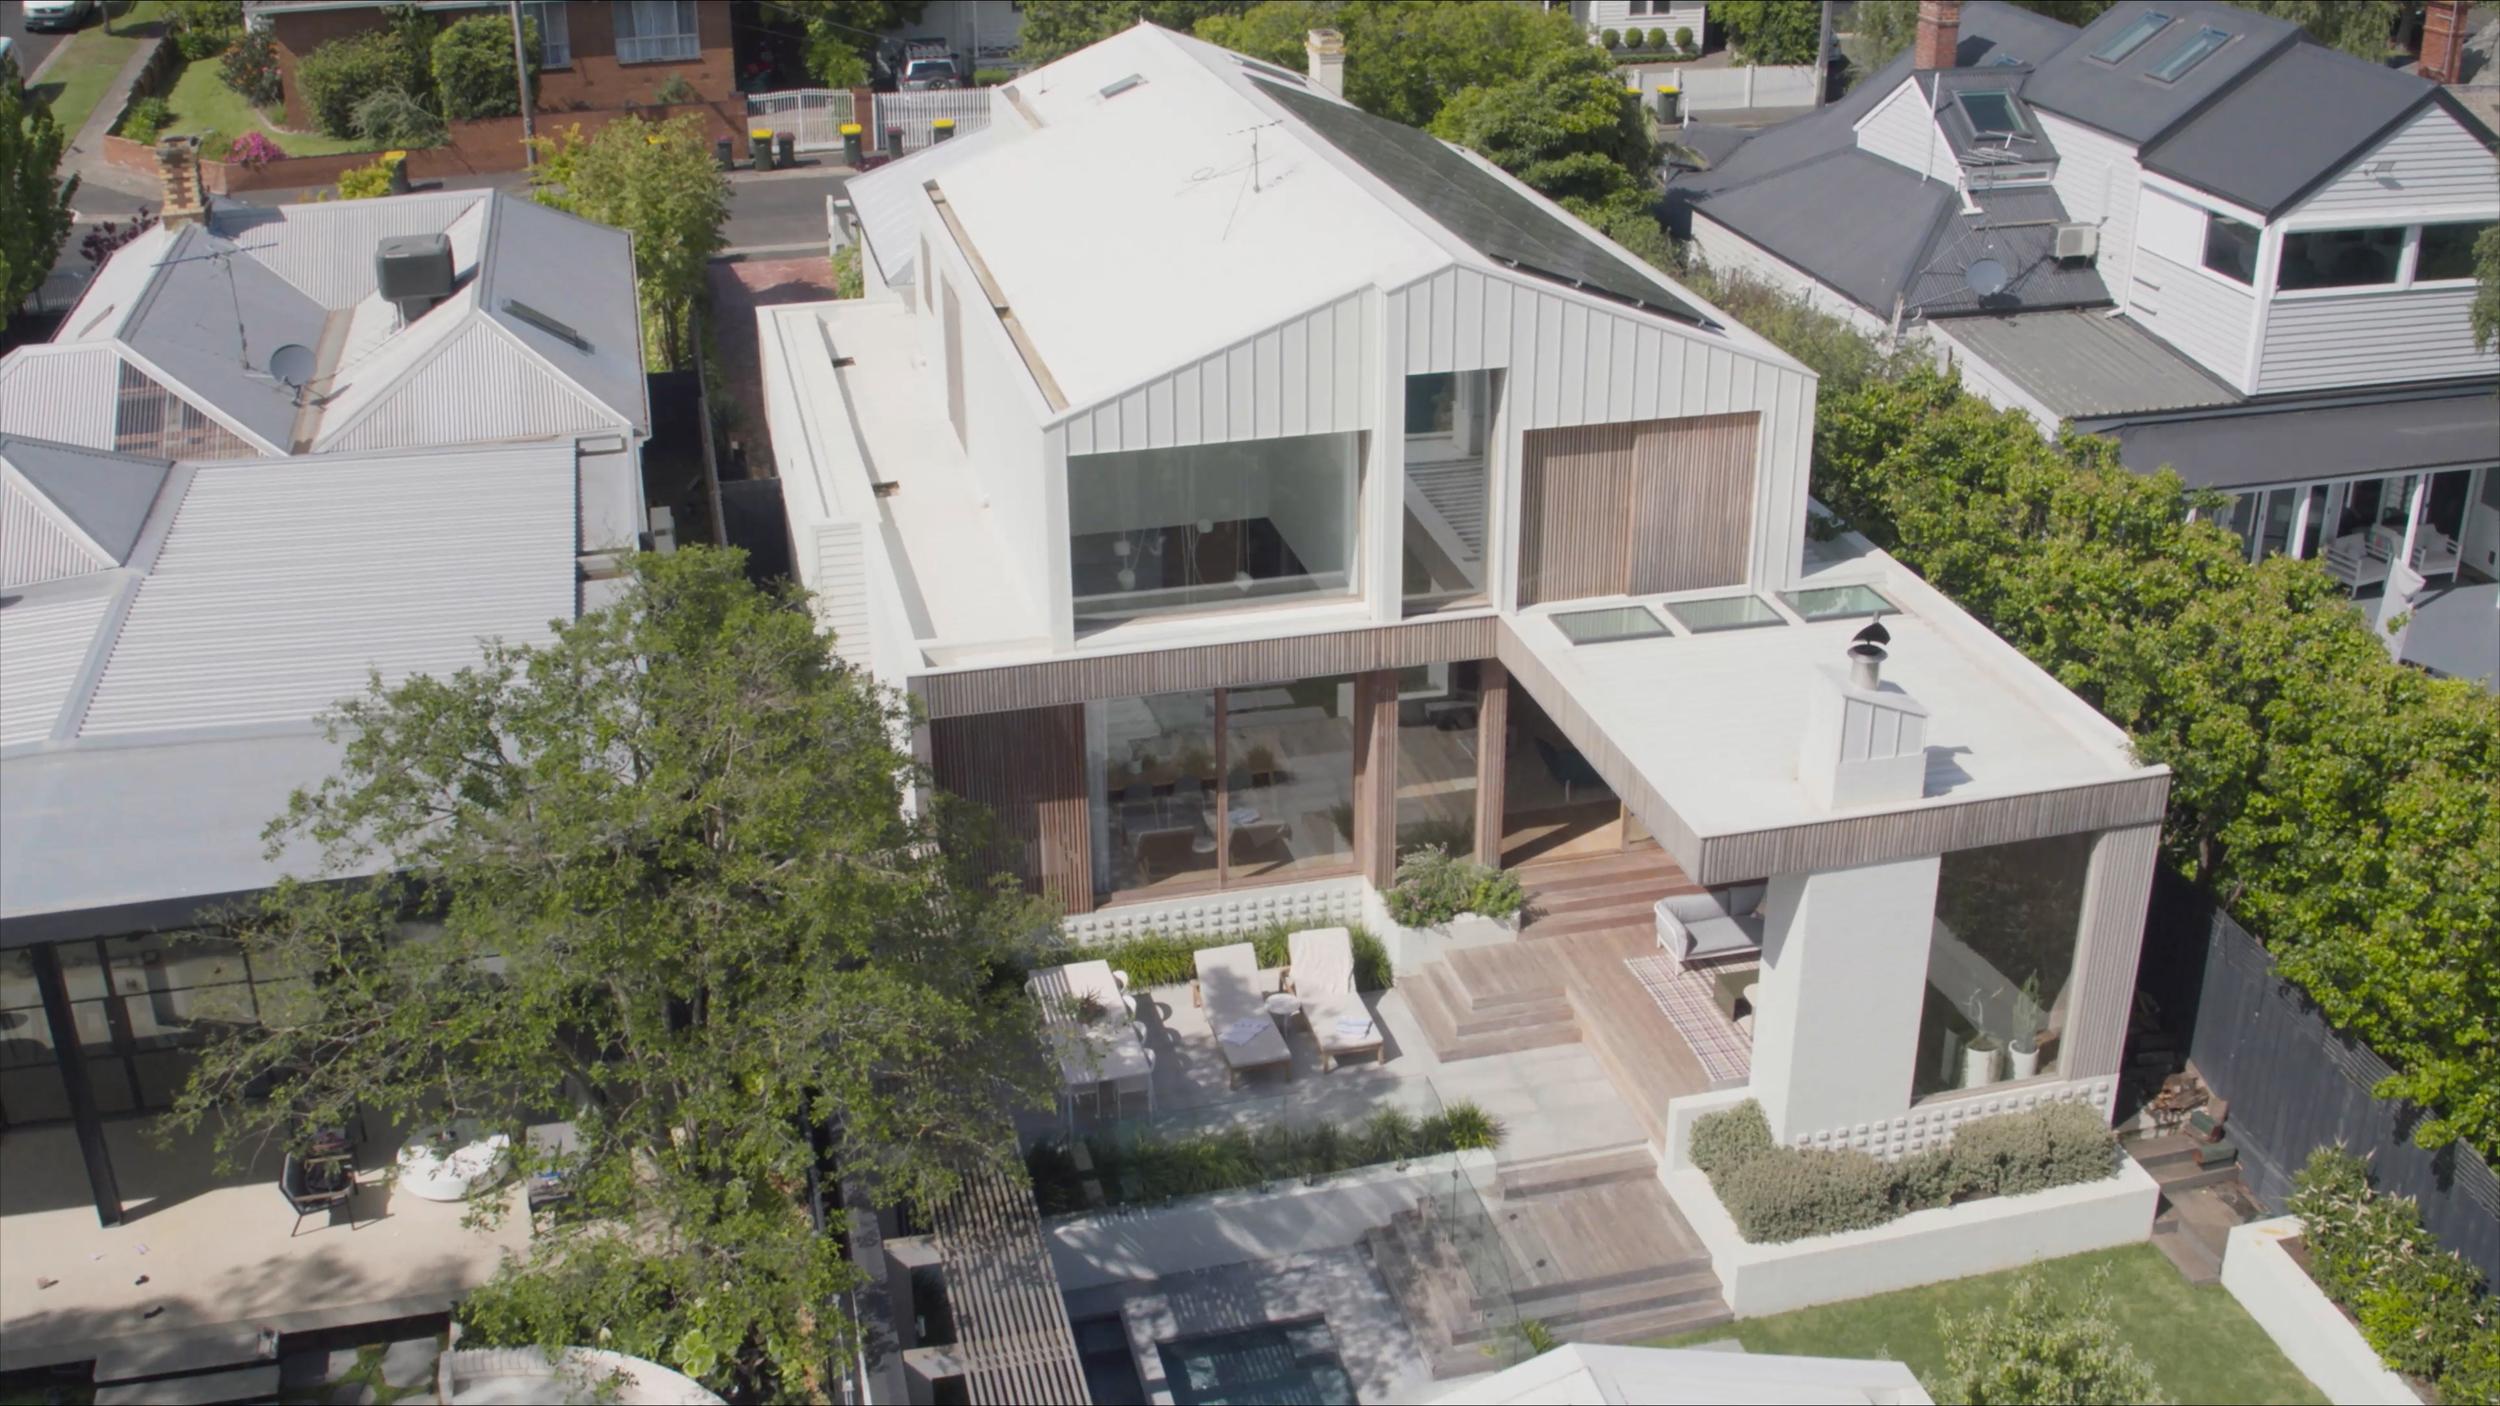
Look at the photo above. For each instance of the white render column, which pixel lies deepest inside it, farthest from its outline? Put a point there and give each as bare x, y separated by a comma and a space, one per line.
1844, 982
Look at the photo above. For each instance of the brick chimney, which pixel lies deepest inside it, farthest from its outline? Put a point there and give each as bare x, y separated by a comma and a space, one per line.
178, 170
1326, 49
2443, 41
1939, 32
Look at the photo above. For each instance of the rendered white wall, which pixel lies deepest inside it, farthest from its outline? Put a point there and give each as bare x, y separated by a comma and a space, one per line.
1844, 973
2302, 1320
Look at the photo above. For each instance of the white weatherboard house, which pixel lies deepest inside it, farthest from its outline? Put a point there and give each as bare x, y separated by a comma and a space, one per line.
2187, 226
1251, 491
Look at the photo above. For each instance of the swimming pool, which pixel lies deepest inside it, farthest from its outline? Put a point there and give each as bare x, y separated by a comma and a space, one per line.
1293, 1364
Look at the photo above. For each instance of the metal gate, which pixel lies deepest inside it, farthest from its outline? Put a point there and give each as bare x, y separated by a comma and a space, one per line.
812, 116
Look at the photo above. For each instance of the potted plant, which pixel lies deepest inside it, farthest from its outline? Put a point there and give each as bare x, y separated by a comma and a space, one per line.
2022, 1050
1467, 903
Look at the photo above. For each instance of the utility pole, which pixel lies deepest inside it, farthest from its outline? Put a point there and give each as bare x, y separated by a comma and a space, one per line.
529, 121
1823, 56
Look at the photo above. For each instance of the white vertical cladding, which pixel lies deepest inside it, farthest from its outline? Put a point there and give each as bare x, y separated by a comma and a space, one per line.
1303, 376
2430, 165
1058, 588
2098, 179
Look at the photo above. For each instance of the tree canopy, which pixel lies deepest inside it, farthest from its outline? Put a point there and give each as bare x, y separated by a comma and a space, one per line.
30, 190
659, 182
2485, 310
651, 878
2041, 1347
1770, 31
842, 35
1065, 26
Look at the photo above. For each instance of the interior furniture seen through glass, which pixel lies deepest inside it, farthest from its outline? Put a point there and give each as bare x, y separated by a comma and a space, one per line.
1243, 785
141, 1005
1154, 531
1723, 613
2000, 963
1614, 622
2341, 258
1838, 602
1437, 751
1448, 485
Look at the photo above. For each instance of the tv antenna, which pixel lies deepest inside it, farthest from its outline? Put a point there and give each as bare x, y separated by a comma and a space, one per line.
1255, 186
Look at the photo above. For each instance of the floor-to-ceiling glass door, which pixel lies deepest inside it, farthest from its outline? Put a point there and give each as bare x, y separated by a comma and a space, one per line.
1554, 804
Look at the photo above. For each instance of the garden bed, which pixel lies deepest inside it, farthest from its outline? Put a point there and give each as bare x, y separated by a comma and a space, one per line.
2260, 1270
1153, 1169
1161, 959
203, 104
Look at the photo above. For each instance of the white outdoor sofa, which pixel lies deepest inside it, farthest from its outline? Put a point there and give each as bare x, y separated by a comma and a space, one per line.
1723, 922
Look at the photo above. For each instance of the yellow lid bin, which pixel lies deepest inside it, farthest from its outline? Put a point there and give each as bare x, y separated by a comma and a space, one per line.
942, 129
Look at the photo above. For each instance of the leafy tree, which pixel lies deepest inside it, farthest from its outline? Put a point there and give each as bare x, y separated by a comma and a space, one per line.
1276, 31
2364, 29
110, 235
388, 117
1405, 58
1568, 129
842, 35
653, 877
472, 66
1878, 31
1065, 26
2485, 311
1770, 31
338, 75
31, 191
658, 182
251, 68
2037, 1349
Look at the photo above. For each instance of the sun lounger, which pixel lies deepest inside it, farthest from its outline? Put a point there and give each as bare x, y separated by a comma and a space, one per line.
1228, 988
1322, 975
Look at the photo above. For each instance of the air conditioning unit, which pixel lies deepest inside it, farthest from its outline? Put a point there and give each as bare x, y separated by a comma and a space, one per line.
2078, 241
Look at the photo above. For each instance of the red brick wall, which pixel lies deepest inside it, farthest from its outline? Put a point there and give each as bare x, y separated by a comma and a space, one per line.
594, 81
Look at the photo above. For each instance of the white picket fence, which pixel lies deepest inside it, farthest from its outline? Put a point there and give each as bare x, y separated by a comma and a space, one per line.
1724, 89
914, 112
812, 116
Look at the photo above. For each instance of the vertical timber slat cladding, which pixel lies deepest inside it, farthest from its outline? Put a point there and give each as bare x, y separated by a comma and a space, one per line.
1375, 776
1492, 755
1641, 508
2116, 891
1028, 767
1285, 659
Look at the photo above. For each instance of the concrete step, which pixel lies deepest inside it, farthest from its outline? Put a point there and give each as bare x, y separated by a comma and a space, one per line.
258, 1383
2163, 1150
2198, 1263
1549, 1176
1594, 920
1669, 1320
139, 1359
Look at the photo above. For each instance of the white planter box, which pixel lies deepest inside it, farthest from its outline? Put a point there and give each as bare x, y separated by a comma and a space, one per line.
1923, 1247
2307, 1325
1410, 948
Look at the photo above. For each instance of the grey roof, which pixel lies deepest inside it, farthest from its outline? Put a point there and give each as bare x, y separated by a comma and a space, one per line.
64, 392
2124, 99
2089, 363
579, 273
2018, 229
2264, 443
2277, 135
108, 495
326, 247
2456, 632
1962, 136
210, 320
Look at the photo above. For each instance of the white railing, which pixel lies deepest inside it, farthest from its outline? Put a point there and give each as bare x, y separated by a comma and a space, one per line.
915, 112
812, 116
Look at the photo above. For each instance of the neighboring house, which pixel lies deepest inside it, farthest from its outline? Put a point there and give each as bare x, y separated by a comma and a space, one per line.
242, 484
593, 54
1250, 491
983, 33
1625, 16
2187, 226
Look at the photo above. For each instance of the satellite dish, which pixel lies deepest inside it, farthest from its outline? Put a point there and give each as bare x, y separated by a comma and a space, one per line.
1985, 277
292, 364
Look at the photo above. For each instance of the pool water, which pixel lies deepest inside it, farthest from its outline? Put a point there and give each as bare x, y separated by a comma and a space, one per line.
1292, 1364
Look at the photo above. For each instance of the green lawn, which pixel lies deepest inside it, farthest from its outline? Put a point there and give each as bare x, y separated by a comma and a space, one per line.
202, 102
84, 66
2198, 1341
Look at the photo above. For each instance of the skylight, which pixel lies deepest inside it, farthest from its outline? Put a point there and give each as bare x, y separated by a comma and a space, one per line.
1118, 86
1837, 602
1991, 110
2190, 54
2132, 38
1621, 622
1723, 613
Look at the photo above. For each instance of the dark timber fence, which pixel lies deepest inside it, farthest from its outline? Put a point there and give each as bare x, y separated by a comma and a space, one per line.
2293, 1082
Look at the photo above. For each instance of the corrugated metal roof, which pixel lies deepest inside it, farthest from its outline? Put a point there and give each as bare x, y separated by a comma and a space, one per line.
2294, 122
2018, 230
552, 262
466, 381
35, 544
325, 249
67, 394
2088, 363
210, 322
282, 585
114, 291
44, 644
106, 496
889, 199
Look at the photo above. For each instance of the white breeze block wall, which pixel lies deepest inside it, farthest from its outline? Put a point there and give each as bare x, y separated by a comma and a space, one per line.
2307, 1325
1325, 903
1923, 1247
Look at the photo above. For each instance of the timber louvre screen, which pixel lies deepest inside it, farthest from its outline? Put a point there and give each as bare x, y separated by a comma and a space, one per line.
1636, 509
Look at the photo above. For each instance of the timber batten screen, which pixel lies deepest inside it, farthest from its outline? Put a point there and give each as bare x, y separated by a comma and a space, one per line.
1011, 1326
1637, 509
1028, 767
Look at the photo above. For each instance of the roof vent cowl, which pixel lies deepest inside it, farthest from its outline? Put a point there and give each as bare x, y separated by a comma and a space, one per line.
414, 272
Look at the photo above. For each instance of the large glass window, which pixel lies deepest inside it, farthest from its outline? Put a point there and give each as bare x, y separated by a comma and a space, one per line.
2341, 258
651, 31
141, 1006
1243, 785
555, 31
2000, 963
2231, 248
1157, 531
1437, 745
1448, 487
2447, 251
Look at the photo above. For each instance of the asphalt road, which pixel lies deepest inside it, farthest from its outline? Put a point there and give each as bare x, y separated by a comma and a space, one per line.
30, 48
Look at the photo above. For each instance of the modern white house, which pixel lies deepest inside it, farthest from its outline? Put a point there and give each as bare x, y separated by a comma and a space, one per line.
2187, 226
1250, 491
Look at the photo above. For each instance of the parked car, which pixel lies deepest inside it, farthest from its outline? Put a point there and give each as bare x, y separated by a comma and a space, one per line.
57, 14
929, 75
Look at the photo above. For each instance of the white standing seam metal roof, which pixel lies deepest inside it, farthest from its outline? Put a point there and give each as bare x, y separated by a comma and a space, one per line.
282, 588
888, 200
45, 641
65, 393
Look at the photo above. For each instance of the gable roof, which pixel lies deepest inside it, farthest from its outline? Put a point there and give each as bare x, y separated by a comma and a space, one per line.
67, 393
105, 497
2124, 99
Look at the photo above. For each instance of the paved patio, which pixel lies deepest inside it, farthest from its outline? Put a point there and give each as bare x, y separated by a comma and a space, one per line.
213, 1247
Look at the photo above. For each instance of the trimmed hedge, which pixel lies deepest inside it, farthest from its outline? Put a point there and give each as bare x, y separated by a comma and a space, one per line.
471, 61
2422, 1309
342, 73
1151, 1169
1158, 959
1776, 1193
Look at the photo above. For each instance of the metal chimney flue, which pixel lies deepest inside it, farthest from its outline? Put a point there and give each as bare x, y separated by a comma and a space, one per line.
1866, 665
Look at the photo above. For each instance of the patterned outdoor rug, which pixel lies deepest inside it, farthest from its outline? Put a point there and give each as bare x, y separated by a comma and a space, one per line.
1685, 995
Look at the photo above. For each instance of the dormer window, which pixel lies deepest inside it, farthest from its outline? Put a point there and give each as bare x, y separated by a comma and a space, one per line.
2188, 55
2133, 37
1992, 113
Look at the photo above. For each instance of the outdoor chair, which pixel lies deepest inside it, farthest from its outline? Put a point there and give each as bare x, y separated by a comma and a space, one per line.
2435, 553
1228, 989
1696, 927
2350, 560
295, 1184
1568, 768
1322, 976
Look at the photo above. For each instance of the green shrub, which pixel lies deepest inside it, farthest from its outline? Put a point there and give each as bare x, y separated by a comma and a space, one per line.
471, 60
1684, 41
1925, 1180
1462, 1127
1433, 886
1722, 1142
850, 280
1612, 39
1149, 1168
1790, 1193
992, 77
1658, 40
336, 77
1392, 1135
250, 68
1159, 960
392, 118
2422, 1308
366, 182
2014, 1153
674, 89
146, 120
2037, 1346
2473, 1375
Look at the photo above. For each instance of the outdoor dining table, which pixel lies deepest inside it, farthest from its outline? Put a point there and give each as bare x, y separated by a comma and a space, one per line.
1090, 1053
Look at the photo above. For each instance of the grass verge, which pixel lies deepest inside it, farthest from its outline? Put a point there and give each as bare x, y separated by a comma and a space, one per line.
2200, 1343
201, 102
87, 61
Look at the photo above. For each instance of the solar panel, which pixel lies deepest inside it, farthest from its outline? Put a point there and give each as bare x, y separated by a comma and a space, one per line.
1487, 215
